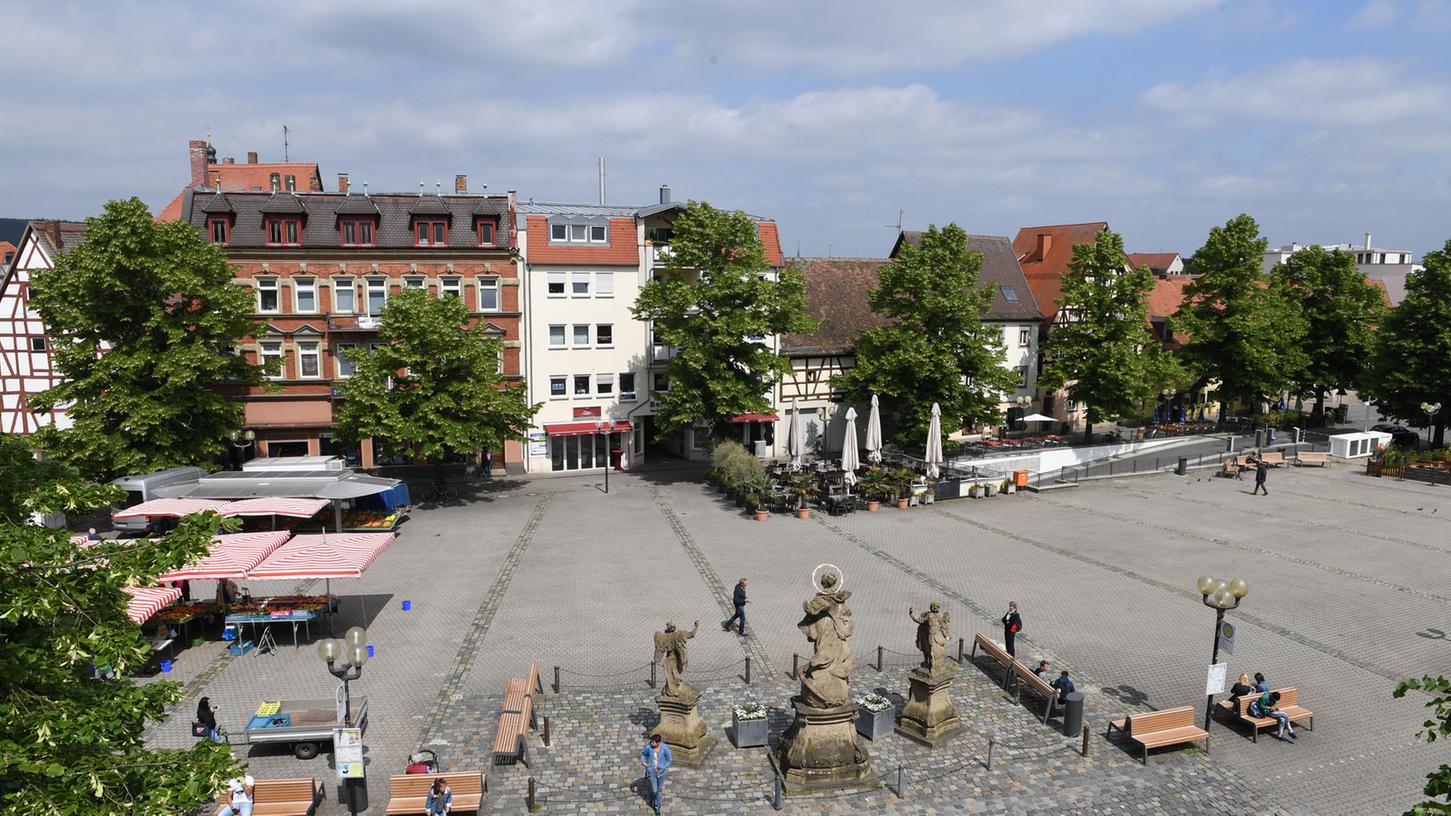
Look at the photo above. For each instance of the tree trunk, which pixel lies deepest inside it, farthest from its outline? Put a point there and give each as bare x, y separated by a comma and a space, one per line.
1440, 438
1087, 431
1317, 416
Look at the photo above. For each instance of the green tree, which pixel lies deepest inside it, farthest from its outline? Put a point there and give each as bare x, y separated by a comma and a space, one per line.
1413, 347
1244, 329
1438, 782
715, 302
936, 348
144, 316
1104, 351
68, 743
432, 386
1342, 310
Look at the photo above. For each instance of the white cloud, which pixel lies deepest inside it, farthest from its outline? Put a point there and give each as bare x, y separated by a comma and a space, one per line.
1374, 14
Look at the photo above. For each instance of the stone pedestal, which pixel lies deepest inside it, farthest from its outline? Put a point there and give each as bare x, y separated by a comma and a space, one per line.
682, 729
822, 750
929, 717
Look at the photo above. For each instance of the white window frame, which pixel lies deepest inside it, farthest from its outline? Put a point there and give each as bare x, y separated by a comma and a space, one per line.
1070, 405
574, 335
341, 285
264, 285
602, 343
305, 349
552, 278
370, 286
575, 280
1024, 338
604, 284
579, 233
340, 362
269, 350
298, 286
628, 396
559, 238
564, 380
563, 336
451, 285
604, 234
490, 284
574, 386
605, 385
415, 282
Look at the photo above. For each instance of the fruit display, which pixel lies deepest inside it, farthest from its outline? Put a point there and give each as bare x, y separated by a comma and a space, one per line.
371, 520
282, 603
180, 613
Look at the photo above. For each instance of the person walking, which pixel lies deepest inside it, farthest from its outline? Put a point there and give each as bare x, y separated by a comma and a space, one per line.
739, 601
656, 759
1261, 471
488, 461
1012, 625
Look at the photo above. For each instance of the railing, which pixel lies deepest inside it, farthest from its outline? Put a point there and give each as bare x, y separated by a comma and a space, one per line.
659, 354
1112, 468
353, 322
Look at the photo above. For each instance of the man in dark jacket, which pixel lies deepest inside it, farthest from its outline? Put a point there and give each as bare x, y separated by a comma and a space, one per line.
1261, 471
1012, 625
738, 599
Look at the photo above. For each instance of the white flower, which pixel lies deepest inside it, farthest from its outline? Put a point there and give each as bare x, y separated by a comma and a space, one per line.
750, 711
874, 703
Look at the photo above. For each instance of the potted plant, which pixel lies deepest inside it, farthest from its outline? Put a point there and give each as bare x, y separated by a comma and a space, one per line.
756, 493
930, 497
975, 491
1009, 486
875, 716
749, 724
874, 485
902, 479
803, 488
989, 488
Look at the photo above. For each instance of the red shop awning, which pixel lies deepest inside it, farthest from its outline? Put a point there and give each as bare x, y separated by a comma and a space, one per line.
585, 428
754, 418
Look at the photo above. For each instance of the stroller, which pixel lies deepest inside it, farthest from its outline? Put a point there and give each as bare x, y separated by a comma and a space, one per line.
422, 761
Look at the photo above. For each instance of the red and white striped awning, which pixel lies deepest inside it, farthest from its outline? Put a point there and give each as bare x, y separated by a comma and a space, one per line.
336, 555
755, 418
233, 555
586, 428
147, 601
295, 508
173, 508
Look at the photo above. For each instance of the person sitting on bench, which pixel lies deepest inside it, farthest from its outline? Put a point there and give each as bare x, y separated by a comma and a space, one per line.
1064, 686
1240, 688
1266, 706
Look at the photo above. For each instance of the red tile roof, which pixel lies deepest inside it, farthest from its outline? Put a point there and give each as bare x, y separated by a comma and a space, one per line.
1167, 295
838, 296
1044, 252
1157, 261
1385, 293
771, 240
620, 251
251, 177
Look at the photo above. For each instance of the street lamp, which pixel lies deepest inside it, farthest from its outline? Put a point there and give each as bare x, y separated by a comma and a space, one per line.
1431, 409
1221, 596
600, 430
1023, 401
243, 439
345, 659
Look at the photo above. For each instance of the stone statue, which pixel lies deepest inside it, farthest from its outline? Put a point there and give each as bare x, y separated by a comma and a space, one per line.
671, 646
826, 681
933, 630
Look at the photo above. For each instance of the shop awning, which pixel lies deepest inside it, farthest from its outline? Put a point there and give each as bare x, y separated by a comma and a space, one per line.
172, 508
294, 508
233, 555
264, 484
147, 601
754, 418
585, 428
334, 555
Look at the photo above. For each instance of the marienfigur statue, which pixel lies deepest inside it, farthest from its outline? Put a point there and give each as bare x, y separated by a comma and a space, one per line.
825, 682
671, 645
933, 630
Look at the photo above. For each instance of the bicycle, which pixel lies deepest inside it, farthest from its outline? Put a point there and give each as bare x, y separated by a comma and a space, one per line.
440, 493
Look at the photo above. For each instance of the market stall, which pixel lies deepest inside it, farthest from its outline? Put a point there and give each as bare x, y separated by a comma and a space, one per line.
170, 508
326, 556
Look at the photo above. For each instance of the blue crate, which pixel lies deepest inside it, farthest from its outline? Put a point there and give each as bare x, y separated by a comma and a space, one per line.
241, 647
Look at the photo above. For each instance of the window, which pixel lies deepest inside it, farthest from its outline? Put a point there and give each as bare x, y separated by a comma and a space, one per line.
413, 282
581, 452
430, 233
555, 283
662, 381
345, 366
488, 294
578, 233
1009, 294
309, 361
557, 387
283, 231
581, 335
627, 385
1022, 337
345, 298
605, 335
604, 284
579, 284
604, 384
597, 234
1022, 376
267, 301
486, 231
272, 362
451, 286
37, 344
559, 232
377, 295
581, 385
304, 292
556, 336
1071, 405
218, 229
357, 232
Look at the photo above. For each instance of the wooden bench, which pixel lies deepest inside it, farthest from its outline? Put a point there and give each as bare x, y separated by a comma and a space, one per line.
1156, 729
1036, 685
1289, 703
280, 797
409, 793
996, 652
1233, 467
1319, 458
1273, 458
516, 718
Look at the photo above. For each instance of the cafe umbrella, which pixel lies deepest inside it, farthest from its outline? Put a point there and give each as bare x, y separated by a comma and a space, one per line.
850, 459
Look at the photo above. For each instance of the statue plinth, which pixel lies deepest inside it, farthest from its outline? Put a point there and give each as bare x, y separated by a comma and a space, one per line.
682, 729
822, 750
929, 717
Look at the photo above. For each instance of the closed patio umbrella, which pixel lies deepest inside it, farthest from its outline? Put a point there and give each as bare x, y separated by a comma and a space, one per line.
933, 456
850, 460
795, 438
874, 433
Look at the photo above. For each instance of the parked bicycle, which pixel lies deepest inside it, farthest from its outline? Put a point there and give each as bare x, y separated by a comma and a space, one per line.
440, 493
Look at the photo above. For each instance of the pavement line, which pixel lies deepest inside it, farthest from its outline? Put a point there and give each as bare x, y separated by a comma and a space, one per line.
1263, 623
751, 645
1367, 505
468, 650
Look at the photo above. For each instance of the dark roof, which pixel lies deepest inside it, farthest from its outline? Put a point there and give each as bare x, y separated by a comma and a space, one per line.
395, 217
1013, 299
838, 295
216, 204
429, 205
283, 204
357, 205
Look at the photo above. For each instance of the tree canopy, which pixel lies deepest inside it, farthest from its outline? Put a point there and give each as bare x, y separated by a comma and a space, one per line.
718, 303
1103, 351
1438, 782
432, 386
144, 318
936, 347
1413, 347
69, 743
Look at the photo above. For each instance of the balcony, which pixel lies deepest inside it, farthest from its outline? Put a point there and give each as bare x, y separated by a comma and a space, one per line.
346, 323
662, 354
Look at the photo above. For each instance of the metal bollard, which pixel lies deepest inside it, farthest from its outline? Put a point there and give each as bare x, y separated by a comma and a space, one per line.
1085, 740
960, 645
556, 679
776, 796
748, 670
795, 666
652, 675
900, 794
990, 753
529, 800
546, 732
879, 658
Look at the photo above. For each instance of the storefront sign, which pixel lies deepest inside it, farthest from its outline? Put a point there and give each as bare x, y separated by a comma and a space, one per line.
592, 411
538, 444
348, 752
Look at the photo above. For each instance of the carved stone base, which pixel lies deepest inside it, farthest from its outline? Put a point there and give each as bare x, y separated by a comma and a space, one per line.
822, 750
929, 717
682, 729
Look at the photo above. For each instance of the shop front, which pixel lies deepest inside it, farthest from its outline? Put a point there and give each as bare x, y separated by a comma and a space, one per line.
590, 444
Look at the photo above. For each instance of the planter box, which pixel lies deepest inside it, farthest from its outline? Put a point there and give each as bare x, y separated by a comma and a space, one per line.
750, 733
873, 725
949, 489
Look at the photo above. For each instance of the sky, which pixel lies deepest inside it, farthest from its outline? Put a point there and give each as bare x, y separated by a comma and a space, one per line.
1323, 120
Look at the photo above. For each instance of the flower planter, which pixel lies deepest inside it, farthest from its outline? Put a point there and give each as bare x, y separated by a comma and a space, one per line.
762, 515
873, 506
930, 498
902, 503
874, 724
803, 513
1012, 488
750, 733
990, 489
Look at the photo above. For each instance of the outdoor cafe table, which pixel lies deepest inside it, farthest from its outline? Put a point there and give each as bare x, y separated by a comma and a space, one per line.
292, 616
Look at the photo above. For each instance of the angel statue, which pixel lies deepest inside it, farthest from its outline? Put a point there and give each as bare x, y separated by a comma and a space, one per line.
671, 646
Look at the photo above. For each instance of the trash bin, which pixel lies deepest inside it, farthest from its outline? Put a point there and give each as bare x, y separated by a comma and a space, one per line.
1274, 432
1020, 478
1073, 713
1259, 437
1183, 467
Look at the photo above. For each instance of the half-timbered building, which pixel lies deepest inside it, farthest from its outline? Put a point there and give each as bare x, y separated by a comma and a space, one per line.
26, 364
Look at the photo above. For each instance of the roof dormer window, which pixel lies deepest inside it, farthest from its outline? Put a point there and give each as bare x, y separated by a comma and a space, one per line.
590, 231
430, 232
487, 228
356, 231
219, 229
283, 230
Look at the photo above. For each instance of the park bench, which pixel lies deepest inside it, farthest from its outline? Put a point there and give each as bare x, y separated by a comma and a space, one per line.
1156, 729
1289, 703
516, 718
1320, 458
996, 652
1036, 685
280, 797
409, 793
1273, 458
1233, 467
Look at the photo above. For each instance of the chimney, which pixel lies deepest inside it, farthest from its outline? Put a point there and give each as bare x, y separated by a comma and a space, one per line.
197, 148
1367, 240
251, 157
291, 183
343, 183
1045, 243
665, 194
229, 160
276, 180
461, 184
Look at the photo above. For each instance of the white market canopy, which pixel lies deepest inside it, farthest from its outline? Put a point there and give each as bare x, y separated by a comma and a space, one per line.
169, 508
233, 556
336, 555
147, 601
1037, 418
293, 508
267, 484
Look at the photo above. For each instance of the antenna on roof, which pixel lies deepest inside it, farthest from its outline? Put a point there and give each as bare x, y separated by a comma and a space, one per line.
420, 189
365, 188
284, 144
438, 188
602, 181
897, 226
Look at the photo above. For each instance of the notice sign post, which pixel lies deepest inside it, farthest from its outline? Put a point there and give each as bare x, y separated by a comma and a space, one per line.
1226, 637
1214, 684
348, 752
